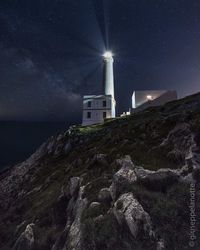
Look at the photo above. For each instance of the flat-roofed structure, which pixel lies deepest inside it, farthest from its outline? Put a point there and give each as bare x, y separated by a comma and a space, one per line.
96, 108
142, 99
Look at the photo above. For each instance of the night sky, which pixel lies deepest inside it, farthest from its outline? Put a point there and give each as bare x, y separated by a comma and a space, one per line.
51, 52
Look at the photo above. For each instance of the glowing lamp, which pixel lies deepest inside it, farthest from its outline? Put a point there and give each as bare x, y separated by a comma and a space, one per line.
108, 54
149, 97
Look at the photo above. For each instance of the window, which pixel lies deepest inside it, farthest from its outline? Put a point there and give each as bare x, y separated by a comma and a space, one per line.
88, 115
89, 104
104, 103
104, 115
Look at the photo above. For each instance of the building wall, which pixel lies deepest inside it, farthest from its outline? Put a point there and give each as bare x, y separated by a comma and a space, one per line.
140, 97
95, 108
109, 81
158, 98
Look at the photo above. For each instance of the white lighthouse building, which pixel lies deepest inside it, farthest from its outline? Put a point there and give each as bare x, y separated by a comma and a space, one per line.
109, 79
96, 108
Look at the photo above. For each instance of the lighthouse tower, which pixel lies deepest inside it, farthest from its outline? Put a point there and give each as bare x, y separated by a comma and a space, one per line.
109, 79
97, 108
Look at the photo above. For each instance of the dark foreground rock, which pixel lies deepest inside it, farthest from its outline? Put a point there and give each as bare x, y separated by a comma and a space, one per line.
122, 185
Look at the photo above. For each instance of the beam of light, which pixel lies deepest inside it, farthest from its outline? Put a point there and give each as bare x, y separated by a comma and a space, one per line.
106, 21
101, 9
82, 38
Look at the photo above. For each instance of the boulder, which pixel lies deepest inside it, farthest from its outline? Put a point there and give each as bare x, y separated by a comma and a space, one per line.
160, 245
74, 238
187, 179
157, 180
19, 227
74, 185
67, 148
58, 150
50, 147
125, 162
26, 239
129, 211
102, 159
123, 178
104, 195
192, 158
99, 158
179, 141
94, 205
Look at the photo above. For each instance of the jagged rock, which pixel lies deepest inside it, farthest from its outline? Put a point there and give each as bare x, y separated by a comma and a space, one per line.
19, 227
98, 158
74, 239
50, 147
94, 205
94, 209
50, 179
185, 170
123, 178
59, 137
187, 179
104, 195
79, 162
192, 157
58, 245
74, 185
101, 158
59, 215
157, 179
34, 190
26, 239
179, 140
58, 150
67, 148
10, 184
125, 162
30, 191
160, 245
98, 218
71, 237
127, 209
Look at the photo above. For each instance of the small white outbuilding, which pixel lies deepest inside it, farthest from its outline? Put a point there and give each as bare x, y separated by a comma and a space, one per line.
142, 99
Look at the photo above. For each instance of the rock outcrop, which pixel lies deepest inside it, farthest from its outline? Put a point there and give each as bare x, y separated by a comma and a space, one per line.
124, 177
26, 239
123, 185
127, 209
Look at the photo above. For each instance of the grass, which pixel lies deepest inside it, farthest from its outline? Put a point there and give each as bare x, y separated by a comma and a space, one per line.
169, 212
137, 135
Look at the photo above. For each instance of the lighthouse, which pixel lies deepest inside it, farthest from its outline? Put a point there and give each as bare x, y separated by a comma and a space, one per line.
108, 80
97, 108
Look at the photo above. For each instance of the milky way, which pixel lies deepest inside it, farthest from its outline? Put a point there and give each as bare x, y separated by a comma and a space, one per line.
51, 52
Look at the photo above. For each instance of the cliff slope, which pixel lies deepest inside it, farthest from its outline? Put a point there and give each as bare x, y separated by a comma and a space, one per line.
121, 185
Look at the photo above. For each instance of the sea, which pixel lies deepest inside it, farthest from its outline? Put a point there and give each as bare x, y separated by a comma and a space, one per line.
18, 140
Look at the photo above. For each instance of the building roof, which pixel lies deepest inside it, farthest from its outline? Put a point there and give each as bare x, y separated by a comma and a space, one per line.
96, 96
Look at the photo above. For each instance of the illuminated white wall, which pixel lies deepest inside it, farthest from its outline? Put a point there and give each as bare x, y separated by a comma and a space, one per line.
96, 109
109, 81
145, 98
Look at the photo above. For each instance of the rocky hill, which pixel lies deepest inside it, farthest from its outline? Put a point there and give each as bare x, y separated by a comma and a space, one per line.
121, 185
